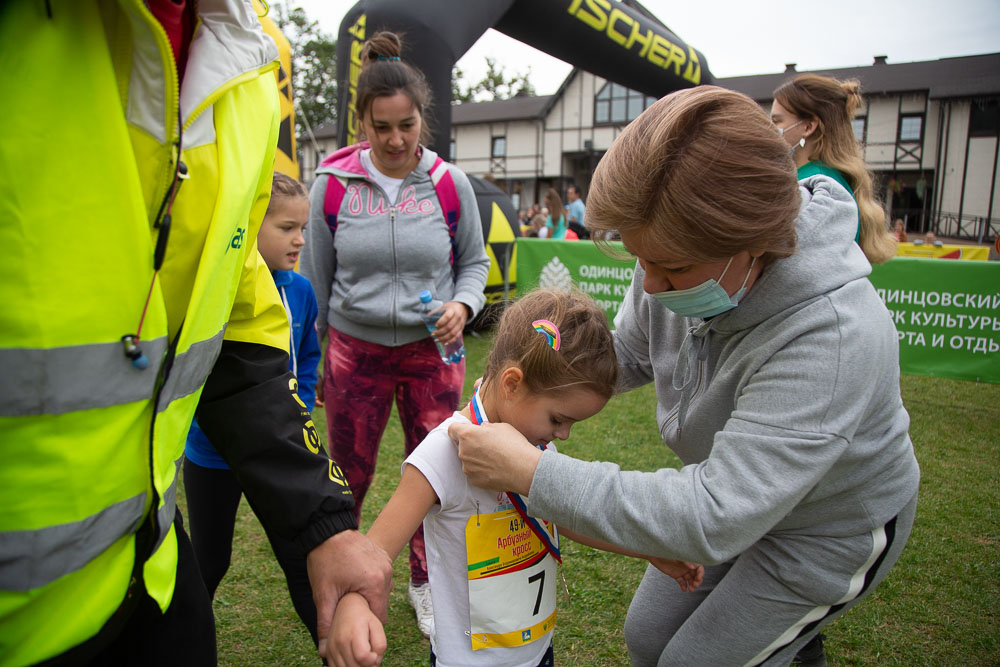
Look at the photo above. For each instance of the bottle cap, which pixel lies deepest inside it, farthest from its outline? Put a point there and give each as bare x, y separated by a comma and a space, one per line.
425, 296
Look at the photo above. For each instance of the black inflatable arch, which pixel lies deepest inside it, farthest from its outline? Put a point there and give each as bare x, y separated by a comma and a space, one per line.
604, 37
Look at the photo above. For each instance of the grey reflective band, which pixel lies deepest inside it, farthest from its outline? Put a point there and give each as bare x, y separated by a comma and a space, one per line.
165, 515
54, 381
31, 559
190, 369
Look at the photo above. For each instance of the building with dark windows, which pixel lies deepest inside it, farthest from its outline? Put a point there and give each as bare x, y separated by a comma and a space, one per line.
930, 131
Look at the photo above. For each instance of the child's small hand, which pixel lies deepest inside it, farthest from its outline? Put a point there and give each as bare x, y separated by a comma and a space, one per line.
688, 575
319, 390
357, 638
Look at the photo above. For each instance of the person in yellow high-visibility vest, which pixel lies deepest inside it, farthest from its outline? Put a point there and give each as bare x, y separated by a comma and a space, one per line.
135, 170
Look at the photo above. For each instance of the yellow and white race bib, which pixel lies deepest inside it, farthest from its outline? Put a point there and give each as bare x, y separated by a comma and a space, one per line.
512, 581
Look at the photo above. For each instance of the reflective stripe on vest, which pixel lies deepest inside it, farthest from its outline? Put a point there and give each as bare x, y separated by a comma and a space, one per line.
189, 370
33, 558
85, 377
78, 377
165, 515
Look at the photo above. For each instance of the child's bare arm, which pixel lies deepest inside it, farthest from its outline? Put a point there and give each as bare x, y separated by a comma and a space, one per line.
688, 575
402, 515
598, 544
356, 638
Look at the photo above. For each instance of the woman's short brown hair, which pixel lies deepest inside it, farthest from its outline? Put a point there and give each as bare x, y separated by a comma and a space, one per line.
701, 173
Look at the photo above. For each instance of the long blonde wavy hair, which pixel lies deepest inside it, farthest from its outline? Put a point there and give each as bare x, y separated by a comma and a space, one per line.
832, 104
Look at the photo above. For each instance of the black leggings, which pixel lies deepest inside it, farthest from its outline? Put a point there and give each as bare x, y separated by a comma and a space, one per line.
213, 496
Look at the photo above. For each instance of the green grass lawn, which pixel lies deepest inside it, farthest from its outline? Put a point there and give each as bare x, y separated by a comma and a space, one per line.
939, 605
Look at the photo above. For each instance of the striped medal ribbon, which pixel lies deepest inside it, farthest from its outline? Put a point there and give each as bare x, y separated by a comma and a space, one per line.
552, 546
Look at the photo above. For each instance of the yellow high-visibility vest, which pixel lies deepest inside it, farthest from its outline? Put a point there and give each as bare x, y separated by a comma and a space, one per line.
91, 444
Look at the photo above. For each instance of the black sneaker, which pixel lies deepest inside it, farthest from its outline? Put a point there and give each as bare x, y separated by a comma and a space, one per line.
811, 655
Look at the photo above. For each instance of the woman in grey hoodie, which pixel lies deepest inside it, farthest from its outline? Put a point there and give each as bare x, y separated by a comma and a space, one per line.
777, 379
389, 219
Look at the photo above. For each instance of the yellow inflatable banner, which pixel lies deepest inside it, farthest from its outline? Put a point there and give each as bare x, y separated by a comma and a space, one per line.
284, 159
944, 251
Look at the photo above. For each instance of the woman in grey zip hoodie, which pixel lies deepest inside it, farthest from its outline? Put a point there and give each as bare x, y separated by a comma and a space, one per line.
389, 219
777, 380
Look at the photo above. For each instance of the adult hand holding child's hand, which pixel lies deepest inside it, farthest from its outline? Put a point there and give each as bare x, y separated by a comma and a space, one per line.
495, 456
347, 562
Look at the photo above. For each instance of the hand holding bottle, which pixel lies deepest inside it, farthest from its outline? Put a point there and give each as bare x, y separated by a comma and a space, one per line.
445, 323
451, 323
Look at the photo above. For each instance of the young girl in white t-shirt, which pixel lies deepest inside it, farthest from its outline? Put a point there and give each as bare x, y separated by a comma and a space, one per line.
493, 568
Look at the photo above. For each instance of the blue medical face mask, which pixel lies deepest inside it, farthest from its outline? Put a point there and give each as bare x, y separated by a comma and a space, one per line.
706, 299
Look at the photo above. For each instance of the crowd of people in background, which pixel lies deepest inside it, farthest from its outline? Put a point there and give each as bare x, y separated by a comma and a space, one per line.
553, 220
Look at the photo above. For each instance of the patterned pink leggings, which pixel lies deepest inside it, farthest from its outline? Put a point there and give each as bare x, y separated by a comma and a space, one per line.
359, 384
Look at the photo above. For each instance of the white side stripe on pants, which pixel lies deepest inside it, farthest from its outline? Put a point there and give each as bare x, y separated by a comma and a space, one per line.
853, 590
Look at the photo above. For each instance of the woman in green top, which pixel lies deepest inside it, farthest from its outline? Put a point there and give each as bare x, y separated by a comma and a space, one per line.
813, 114
556, 221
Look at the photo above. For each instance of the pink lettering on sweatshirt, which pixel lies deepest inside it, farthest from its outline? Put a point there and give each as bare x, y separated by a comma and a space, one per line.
362, 197
410, 204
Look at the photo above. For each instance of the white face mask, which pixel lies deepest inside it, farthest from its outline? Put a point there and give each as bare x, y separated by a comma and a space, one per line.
801, 143
706, 299
782, 130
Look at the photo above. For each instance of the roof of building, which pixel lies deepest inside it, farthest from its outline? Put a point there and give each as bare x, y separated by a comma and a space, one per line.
523, 107
965, 76
326, 131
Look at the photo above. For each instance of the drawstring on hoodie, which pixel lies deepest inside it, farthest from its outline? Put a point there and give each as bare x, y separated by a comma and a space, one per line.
693, 351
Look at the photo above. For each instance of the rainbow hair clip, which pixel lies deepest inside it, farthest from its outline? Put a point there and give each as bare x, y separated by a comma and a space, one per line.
550, 331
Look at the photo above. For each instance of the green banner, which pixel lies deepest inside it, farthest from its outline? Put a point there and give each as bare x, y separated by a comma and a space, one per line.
562, 264
947, 313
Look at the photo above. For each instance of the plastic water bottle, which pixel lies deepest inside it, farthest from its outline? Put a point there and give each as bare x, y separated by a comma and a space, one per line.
452, 353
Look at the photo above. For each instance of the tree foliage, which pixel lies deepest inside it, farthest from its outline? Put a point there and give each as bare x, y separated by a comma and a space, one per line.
496, 84
314, 68
459, 94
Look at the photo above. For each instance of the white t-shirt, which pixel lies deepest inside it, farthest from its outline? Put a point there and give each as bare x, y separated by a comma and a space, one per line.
444, 535
388, 184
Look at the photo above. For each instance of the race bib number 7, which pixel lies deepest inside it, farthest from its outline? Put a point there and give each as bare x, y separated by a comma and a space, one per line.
512, 581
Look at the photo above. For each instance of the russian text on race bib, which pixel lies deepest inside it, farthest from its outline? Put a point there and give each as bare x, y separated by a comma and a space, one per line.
512, 581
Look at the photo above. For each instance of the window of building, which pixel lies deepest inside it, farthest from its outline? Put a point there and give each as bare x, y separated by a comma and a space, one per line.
984, 118
451, 150
911, 127
860, 126
499, 148
616, 104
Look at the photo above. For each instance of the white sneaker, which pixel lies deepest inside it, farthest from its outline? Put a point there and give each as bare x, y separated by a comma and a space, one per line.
420, 600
